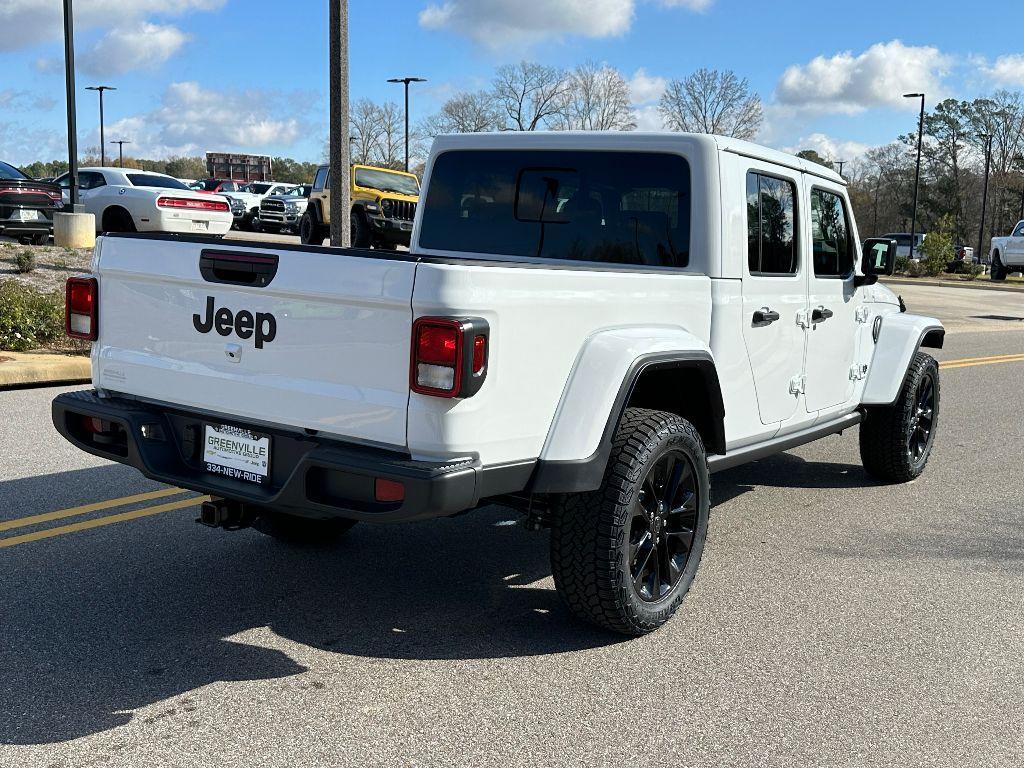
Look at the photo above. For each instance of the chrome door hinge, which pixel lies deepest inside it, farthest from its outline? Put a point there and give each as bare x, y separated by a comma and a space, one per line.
862, 314
803, 318
858, 372
797, 385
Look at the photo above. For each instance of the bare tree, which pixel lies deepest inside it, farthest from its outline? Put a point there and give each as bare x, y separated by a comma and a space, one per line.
364, 128
530, 95
465, 113
710, 101
596, 99
390, 147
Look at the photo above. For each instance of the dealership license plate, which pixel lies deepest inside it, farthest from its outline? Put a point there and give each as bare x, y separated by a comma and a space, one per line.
200, 226
26, 214
236, 453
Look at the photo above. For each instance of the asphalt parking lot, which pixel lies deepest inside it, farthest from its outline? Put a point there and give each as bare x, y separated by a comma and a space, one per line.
833, 622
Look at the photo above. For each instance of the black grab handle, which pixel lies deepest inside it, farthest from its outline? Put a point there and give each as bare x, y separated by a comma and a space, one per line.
250, 269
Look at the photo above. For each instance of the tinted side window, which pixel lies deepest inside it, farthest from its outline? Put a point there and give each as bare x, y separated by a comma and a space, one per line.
612, 207
91, 180
321, 179
1019, 231
830, 234
771, 225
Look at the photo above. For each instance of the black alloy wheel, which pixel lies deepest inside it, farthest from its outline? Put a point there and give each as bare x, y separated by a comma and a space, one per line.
663, 527
920, 438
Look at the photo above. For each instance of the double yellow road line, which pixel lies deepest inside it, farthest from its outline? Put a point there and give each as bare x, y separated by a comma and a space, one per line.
96, 522
969, 362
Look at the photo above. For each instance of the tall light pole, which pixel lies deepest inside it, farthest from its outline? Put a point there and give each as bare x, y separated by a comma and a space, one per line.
406, 81
341, 214
100, 89
120, 151
984, 193
69, 80
917, 173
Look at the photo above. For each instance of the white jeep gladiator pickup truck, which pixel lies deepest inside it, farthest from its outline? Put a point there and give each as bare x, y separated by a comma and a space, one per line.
1008, 253
586, 326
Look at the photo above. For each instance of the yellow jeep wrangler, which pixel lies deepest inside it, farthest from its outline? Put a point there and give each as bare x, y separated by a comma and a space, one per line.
383, 207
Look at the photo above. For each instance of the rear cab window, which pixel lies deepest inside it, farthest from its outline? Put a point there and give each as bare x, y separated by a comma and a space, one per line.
629, 208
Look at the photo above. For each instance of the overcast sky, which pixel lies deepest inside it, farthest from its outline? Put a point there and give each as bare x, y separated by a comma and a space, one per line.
198, 75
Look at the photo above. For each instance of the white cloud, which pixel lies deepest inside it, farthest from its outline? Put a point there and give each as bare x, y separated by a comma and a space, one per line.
848, 83
1007, 70
829, 147
648, 118
644, 88
15, 100
192, 119
508, 23
140, 46
28, 22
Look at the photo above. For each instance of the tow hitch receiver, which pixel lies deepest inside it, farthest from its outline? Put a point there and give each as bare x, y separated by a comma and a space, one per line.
225, 513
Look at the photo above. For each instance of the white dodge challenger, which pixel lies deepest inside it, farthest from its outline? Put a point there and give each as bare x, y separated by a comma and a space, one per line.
129, 200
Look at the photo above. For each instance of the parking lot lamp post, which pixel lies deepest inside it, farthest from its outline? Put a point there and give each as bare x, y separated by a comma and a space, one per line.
69, 79
917, 173
120, 151
406, 81
340, 161
984, 192
101, 89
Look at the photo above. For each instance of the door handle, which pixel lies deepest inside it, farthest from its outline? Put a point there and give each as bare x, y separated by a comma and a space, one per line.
764, 316
820, 315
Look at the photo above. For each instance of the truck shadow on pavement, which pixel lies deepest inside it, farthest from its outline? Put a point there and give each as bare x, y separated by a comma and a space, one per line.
99, 623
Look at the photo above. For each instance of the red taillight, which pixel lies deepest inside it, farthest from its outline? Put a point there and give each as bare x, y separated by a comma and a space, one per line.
479, 353
81, 308
189, 203
449, 356
388, 490
436, 356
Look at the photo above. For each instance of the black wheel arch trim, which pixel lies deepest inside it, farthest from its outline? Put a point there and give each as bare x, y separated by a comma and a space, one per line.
578, 475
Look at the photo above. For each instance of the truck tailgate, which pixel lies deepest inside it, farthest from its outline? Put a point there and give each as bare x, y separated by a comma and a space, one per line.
324, 345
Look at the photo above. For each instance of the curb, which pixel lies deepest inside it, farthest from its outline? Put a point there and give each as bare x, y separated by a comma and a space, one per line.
972, 286
33, 369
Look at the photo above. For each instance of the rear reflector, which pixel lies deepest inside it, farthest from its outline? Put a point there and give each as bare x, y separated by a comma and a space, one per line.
388, 490
81, 305
479, 353
195, 205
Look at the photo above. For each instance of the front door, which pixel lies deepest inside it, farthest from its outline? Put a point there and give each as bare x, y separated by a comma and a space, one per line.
1015, 246
774, 291
832, 301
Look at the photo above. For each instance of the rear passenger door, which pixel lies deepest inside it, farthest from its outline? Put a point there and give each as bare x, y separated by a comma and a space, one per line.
774, 290
833, 299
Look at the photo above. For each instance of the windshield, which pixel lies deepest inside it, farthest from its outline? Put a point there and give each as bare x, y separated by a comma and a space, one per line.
612, 207
10, 172
153, 180
386, 181
260, 189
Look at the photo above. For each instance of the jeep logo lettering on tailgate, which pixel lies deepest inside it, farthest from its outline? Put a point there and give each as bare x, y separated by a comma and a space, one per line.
263, 325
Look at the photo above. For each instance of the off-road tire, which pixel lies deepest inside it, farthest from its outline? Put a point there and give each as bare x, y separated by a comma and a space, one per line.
361, 237
301, 530
998, 270
310, 231
590, 533
41, 238
886, 432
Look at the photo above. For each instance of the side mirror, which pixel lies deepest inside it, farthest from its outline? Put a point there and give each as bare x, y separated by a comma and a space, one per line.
878, 257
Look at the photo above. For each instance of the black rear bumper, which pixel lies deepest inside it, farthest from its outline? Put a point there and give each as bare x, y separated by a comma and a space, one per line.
310, 475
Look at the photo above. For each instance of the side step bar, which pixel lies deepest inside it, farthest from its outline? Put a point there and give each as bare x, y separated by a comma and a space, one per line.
748, 453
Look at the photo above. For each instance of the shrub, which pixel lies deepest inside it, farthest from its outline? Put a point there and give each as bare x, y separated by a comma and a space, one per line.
938, 250
29, 318
25, 261
915, 268
973, 271
902, 264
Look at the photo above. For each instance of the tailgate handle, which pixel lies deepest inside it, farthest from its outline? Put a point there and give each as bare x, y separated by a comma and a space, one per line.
251, 269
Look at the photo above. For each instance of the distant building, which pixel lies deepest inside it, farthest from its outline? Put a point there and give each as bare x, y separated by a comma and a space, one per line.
239, 167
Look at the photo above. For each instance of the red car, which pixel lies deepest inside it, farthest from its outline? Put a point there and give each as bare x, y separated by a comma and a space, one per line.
215, 186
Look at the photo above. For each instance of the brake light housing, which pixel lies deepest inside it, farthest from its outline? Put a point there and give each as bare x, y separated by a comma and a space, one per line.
189, 203
81, 308
449, 356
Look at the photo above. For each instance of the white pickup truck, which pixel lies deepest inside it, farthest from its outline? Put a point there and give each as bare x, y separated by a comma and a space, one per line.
585, 327
1008, 253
